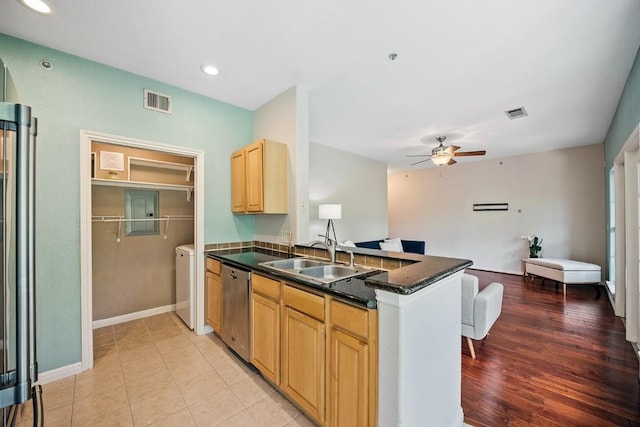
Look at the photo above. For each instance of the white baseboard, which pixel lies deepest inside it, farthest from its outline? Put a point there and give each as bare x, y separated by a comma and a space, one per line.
59, 373
608, 286
636, 350
207, 330
133, 316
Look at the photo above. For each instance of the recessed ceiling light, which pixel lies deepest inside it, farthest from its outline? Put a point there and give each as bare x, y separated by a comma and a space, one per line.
209, 69
37, 5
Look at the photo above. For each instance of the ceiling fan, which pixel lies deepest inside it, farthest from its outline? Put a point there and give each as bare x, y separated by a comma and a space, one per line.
444, 154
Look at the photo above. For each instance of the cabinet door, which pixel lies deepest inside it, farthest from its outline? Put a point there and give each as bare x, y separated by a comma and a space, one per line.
254, 176
303, 361
348, 380
214, 301
238, 183
265, 336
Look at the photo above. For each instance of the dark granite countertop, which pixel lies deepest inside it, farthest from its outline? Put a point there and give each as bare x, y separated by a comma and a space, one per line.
352, 289
413, 277
406, 280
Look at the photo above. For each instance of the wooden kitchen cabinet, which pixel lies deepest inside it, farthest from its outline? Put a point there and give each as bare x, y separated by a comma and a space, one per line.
213, 295
348, 382
319, 351
238, 183
265, 326
303, 350
259, 178
352, 364
254, 176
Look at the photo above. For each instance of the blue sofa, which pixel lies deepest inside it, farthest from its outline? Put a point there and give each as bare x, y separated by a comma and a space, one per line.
412, 246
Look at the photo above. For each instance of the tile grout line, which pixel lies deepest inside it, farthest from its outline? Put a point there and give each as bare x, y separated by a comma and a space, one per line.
124, 380
173, 380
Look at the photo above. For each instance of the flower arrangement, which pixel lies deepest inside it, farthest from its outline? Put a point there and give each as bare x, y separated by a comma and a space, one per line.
534, 245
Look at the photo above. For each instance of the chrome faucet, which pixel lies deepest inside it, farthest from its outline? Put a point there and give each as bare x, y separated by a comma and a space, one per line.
330, 247
351, 257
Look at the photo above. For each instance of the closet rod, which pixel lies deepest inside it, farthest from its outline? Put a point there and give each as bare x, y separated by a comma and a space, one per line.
119, 218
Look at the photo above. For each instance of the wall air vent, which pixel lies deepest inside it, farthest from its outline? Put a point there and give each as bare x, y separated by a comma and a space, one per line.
157, 102
516, 113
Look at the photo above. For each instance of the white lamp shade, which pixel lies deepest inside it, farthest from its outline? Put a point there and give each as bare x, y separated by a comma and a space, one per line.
330, 211
441, 159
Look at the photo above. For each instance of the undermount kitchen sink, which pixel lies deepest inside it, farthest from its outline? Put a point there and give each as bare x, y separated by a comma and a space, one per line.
293, 263
322, 271
329, 272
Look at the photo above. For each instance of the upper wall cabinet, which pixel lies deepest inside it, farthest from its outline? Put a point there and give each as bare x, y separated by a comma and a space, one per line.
259, 178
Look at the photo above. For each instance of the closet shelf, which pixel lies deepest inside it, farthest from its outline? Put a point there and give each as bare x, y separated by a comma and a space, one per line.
145, 185
160, 164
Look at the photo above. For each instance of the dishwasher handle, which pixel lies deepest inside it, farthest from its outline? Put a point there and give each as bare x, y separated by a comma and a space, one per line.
235, 273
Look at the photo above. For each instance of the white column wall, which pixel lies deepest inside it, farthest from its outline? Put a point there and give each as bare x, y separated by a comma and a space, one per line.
631, 243
620, 282
285, 119
419, 366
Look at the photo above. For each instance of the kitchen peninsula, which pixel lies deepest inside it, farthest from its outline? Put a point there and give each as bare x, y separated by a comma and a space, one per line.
404, 327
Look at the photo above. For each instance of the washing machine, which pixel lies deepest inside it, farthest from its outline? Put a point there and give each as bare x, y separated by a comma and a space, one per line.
185, 284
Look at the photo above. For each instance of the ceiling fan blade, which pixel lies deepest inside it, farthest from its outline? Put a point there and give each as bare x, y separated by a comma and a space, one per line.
452, 148
470, 153
418, 155
421, 161
451, 162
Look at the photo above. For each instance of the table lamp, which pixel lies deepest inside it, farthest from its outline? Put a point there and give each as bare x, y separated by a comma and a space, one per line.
330, 212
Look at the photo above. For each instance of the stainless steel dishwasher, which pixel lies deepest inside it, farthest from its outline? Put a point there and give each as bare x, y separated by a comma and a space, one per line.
236, 284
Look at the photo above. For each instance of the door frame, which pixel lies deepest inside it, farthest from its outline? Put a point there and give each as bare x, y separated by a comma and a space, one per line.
86, 268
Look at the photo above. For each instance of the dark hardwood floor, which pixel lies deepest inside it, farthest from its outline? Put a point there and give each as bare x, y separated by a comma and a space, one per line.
551, 362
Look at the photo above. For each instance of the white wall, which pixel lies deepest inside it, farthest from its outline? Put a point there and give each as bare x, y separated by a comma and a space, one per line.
556, 195
286, 119
357, 183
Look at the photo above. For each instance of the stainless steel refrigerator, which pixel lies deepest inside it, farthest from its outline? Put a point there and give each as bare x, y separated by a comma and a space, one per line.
18, 129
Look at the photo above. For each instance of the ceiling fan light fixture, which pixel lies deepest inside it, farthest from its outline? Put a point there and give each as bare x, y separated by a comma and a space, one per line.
441, 158
444, 154
439, 155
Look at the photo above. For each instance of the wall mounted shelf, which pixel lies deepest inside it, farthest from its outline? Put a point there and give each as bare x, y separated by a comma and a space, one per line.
149, 163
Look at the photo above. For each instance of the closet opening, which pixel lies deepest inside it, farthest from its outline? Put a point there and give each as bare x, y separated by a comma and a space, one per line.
139, 202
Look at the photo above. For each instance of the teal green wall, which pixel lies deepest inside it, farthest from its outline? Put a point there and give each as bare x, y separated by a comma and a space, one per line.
626, 118
627, 115
80, 94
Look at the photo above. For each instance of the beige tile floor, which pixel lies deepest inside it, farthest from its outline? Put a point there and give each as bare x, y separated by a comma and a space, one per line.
156, 372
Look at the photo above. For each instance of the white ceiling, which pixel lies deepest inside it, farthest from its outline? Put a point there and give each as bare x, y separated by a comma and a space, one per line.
460, 64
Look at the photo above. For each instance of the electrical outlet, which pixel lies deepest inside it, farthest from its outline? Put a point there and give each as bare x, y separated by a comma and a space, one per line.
286, 236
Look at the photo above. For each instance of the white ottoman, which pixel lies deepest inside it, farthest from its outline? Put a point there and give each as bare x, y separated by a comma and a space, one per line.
564, 271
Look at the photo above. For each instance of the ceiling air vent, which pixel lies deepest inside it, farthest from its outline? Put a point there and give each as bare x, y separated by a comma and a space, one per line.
516, 113
157, 101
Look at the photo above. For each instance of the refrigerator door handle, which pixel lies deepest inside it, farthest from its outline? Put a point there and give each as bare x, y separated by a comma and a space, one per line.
16, 383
